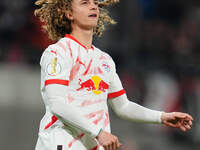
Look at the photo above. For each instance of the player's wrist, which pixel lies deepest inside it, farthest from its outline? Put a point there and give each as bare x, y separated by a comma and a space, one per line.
162, 117
99, 132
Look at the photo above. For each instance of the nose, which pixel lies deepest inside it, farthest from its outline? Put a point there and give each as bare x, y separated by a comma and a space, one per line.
93, 5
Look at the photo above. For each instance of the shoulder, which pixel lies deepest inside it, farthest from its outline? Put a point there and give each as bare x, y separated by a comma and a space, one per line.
63, 46
56, 47
59, 49
103, 54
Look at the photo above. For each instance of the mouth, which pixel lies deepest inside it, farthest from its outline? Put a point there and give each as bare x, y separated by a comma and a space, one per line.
93, 15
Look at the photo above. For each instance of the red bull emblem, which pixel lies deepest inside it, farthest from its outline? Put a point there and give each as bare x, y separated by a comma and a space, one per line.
95, 84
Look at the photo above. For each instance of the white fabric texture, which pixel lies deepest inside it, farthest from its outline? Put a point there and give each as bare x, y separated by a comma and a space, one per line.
69, 114
131, 111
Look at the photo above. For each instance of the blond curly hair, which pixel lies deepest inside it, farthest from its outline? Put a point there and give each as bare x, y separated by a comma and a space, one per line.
52, 14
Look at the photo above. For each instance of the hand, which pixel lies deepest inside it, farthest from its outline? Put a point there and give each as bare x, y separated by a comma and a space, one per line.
108, 141
177, 120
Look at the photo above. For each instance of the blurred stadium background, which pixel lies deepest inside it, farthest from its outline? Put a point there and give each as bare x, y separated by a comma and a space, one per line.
156, 46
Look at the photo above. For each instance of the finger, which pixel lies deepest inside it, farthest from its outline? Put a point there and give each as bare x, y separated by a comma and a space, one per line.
185, 116
170, 124
190, 117
119, 145
187, 126
180, 115
190, 123
114, 145
183, 128
106, 147
187, 122
110, 147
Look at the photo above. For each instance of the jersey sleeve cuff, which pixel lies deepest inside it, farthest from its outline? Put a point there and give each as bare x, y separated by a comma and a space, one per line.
96, 132
116, 94
160, 116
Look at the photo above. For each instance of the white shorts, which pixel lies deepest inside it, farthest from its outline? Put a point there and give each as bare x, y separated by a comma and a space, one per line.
65, 138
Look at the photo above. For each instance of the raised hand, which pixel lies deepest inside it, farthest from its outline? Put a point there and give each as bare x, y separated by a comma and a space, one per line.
179, 120
108, 141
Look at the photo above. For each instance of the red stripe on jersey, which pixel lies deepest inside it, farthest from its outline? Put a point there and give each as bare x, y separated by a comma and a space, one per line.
74, 71
53, 120
75, 139
56, 81
116, 94
70, 49
62, 46
107, 120
96, 147
80, 62
90, 102
88, 67
72, 38
99, 70
54, 52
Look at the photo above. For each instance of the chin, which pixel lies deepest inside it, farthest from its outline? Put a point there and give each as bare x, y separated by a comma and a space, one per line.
91, 26
93, 23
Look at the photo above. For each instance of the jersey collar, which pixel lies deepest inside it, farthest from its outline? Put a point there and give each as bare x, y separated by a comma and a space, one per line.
72, 38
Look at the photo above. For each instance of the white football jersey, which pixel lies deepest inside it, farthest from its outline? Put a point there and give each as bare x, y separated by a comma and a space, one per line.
90, 75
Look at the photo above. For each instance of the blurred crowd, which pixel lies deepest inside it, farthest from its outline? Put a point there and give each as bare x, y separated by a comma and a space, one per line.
21, 37
155, 46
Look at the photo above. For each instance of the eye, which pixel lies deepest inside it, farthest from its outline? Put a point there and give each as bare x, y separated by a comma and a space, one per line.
96, 2
84, 2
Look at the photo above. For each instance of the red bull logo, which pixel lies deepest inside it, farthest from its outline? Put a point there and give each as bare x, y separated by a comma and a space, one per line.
95, 84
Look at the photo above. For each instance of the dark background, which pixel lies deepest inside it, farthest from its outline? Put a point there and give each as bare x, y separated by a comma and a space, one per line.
156, 47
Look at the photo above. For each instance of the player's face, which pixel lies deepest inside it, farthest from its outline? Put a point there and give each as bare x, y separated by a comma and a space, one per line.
85, 13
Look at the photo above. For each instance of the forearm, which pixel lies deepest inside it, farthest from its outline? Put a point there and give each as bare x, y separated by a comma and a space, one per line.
72, 116
69, 114
133, 112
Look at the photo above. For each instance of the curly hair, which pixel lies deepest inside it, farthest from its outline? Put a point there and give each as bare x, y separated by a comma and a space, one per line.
52, 14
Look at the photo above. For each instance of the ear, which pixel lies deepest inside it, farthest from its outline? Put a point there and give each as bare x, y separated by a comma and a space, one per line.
69, 15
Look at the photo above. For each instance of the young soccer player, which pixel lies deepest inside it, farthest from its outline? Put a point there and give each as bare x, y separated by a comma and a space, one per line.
78, 80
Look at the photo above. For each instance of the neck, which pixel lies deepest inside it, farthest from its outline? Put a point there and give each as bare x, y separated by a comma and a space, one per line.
83, 36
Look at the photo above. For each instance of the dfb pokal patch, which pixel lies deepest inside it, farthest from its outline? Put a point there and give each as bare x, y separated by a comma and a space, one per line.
54, 68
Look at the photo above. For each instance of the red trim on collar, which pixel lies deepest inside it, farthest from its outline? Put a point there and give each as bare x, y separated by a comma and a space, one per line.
72, 38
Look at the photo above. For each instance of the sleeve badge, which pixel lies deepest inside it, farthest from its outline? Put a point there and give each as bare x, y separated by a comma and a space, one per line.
54, 68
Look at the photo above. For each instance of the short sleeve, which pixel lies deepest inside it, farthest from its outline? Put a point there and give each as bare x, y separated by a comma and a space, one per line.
56, 66
115, 86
